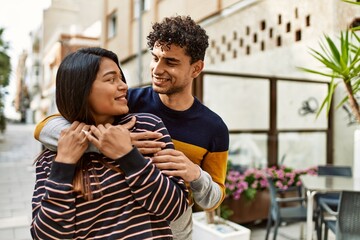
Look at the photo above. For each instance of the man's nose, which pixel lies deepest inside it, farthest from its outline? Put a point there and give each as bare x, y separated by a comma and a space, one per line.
158, 67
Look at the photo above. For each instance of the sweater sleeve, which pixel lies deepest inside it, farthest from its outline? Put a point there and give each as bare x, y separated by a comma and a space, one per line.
209, 189
53, 201
214, 173
206, 193
162, 195
48, 132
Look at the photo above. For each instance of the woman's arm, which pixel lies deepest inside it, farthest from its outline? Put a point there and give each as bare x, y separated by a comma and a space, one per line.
163, 195
54, 197
160, 194
53, 202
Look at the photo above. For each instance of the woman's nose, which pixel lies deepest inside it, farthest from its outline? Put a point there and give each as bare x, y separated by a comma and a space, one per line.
122, 85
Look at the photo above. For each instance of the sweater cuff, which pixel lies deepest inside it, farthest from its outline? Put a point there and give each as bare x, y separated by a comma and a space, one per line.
62, 172
132, 162
198, 184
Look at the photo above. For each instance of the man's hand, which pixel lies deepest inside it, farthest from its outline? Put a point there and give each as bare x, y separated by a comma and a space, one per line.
145, 141
175, 163
72, 143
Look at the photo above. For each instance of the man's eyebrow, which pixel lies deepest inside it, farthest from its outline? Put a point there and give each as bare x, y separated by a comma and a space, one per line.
167, 58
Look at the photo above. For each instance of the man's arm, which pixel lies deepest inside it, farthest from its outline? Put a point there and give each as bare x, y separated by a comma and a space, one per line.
208, 192
48, 130
214, 165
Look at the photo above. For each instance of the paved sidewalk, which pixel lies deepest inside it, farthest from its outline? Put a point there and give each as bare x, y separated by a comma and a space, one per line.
18, 149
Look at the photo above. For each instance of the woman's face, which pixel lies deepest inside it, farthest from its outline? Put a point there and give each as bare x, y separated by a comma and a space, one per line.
108, 92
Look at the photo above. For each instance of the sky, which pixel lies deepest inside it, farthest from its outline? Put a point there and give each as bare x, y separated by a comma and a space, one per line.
19, 18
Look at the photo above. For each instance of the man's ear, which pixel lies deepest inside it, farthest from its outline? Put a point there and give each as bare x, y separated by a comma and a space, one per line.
198, 66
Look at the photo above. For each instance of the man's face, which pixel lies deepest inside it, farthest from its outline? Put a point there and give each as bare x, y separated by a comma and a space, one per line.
171, 70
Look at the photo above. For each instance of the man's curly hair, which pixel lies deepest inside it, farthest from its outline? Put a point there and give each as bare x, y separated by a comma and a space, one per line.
183, 32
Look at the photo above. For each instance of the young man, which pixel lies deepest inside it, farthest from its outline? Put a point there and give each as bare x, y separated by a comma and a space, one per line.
200, 136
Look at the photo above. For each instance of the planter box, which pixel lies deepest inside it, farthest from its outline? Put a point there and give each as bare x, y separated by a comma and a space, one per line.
224, 229
246, 211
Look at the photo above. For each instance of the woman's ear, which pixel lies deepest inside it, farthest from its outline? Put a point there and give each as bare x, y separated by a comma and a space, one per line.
198, 66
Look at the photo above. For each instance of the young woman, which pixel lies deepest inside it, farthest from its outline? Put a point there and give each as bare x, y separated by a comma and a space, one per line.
114, 194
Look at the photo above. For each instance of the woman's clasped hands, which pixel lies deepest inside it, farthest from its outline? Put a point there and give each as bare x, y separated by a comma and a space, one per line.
112, 141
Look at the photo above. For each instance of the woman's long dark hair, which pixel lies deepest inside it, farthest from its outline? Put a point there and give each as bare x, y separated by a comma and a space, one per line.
74, 79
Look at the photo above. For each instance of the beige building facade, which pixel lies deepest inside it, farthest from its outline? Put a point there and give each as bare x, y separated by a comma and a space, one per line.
67, 25
256, 47
256, 37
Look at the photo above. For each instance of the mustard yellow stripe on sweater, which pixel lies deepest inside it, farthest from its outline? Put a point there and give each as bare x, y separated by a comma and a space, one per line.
41, 125
211, 162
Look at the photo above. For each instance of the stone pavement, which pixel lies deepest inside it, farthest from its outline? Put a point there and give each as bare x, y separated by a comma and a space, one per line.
18, 149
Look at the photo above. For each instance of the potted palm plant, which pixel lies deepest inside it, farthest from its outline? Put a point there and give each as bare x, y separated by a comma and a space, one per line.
341, 60
342, 63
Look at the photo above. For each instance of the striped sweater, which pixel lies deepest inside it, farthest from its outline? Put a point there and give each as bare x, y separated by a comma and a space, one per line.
137, 203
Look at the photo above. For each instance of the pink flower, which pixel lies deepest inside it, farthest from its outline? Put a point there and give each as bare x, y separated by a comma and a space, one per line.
255, 179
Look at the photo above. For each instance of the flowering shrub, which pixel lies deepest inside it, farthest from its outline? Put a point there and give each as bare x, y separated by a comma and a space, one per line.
253, 180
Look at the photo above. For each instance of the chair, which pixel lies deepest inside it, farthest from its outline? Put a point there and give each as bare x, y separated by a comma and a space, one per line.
280, 214
331, 170
347, 223
331, 199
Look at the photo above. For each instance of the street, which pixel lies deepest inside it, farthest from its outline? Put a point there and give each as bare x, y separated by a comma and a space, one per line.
18, 149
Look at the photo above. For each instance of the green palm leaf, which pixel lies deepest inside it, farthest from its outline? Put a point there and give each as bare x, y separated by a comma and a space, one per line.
341, 60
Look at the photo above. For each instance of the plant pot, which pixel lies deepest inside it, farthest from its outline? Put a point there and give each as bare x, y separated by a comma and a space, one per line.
221, 230
356, 163
246, 211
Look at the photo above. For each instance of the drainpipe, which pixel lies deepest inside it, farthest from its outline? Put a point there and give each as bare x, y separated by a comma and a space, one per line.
139, 57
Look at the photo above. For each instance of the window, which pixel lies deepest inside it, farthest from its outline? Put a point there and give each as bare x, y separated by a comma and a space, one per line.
355, 23
262, 25
111, 25
140, 6
307, 19
265, 124
298, 35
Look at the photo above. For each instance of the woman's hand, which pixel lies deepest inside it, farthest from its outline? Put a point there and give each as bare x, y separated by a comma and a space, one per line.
113, 141
72, 143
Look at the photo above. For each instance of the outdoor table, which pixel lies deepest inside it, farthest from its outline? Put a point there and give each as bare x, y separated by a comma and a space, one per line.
324, 184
